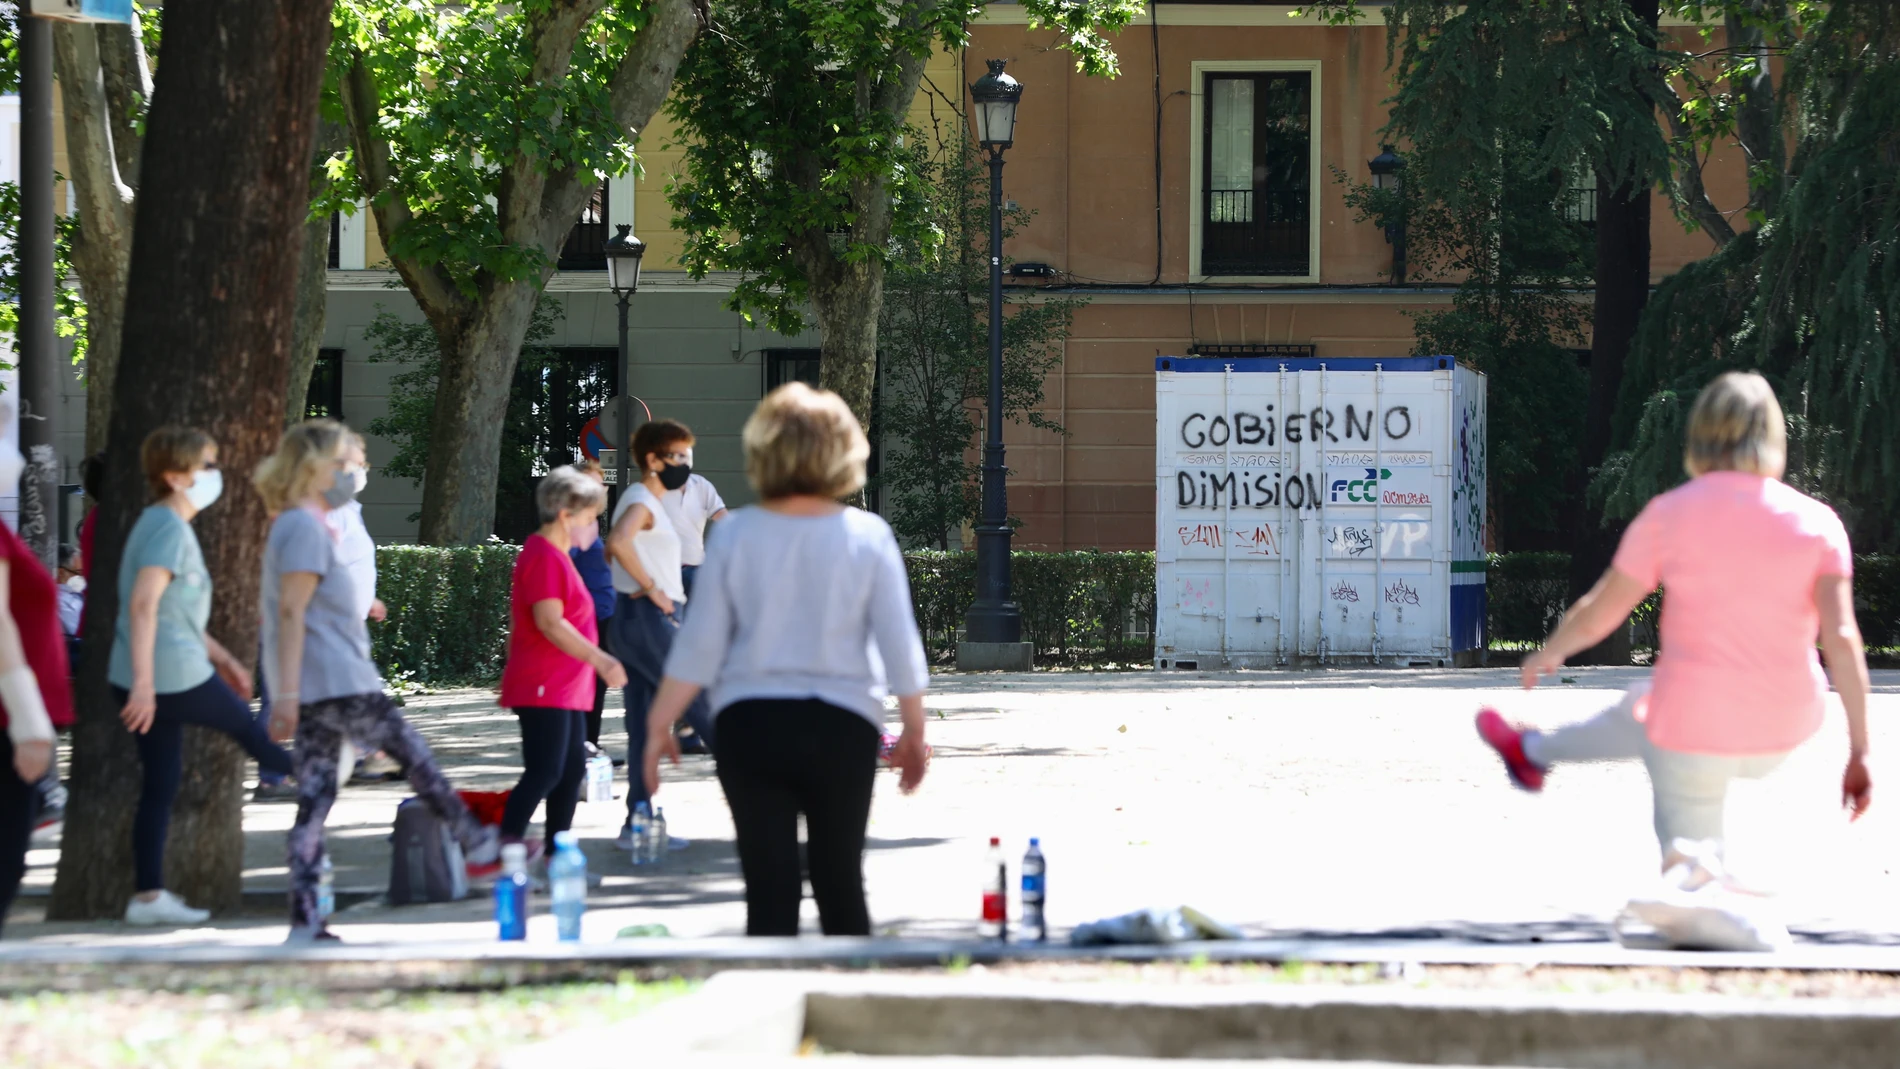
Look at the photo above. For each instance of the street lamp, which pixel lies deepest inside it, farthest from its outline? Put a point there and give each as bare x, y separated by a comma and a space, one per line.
1388, 173
623, 252
993, 628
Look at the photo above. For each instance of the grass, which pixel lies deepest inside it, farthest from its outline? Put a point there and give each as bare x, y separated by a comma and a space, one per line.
274, 1026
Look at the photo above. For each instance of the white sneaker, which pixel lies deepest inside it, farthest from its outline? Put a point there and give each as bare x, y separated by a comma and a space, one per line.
167, 908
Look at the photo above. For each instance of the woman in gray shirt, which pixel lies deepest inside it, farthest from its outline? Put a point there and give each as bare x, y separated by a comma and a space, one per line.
801, 625
324, 688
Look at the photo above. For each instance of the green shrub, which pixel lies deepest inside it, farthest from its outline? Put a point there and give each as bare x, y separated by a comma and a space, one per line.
1083, 607
1525, 594
448, 611
1877, 598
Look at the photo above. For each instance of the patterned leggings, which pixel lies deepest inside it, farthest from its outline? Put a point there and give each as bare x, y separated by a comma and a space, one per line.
371, 722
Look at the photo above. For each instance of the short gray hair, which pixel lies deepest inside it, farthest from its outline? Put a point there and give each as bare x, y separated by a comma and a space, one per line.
566, 488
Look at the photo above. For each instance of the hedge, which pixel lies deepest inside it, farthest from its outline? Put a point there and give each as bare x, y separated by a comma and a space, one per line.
448, 607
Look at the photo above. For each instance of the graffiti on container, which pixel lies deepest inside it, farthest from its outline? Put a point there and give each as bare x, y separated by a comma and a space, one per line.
1197, 597
1262, 542
1225, 489
1218, 429
1204, 534
1401, 593
1344, 591
1352, 541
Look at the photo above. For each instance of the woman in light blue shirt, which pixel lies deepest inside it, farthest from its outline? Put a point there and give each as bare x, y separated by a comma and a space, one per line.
801, 626
165, 669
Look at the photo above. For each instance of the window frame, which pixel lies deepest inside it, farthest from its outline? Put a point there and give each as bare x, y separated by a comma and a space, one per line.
1197, 161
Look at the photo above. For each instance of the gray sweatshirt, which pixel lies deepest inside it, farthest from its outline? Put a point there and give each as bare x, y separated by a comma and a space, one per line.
802, 607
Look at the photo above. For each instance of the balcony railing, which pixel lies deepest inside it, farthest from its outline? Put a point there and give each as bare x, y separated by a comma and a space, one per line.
1256, 232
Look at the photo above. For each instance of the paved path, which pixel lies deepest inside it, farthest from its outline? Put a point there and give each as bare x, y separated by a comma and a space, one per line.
1338, 802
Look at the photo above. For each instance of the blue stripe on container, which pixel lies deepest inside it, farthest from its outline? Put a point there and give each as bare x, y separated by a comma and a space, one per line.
1217, 364
1467, 616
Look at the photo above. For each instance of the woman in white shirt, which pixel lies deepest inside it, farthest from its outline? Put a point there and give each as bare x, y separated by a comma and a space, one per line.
802, 628
644, 548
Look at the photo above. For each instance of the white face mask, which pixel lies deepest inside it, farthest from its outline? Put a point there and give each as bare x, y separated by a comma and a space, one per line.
205, 489
12, 466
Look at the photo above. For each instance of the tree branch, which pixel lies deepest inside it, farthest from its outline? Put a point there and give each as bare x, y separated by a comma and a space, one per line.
433, 288
640, 85
521, 199
1686, 176
128, 82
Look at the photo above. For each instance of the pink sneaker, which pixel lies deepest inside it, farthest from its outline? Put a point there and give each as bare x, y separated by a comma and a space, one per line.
1508, 741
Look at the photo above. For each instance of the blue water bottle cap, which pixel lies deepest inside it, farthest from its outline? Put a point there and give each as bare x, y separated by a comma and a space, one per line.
1033, 841
564, 840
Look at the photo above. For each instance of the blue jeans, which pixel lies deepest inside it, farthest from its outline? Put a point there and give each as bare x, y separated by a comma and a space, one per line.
640, 636
210, 704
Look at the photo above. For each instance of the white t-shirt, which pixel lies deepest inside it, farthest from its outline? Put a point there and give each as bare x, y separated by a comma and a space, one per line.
690, 508
355, 550
658, 547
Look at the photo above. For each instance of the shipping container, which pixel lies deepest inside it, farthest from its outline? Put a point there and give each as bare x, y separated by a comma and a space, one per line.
1318, 511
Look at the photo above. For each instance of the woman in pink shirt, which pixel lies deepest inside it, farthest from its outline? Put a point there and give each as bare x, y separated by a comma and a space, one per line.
553, 655
1753, 572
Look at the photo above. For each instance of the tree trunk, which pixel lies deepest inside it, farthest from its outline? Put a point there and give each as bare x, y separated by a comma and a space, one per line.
849, 298
209, 314
102, 250
313, 277
471, 404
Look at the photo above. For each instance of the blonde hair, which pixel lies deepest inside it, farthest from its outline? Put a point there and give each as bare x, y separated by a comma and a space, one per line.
170, 450
1736, 425
804, 441
284, 478
590, 466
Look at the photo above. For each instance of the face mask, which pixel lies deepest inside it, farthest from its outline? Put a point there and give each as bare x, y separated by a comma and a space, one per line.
205, 489
674, 476
12, 466
76, 583
344, 490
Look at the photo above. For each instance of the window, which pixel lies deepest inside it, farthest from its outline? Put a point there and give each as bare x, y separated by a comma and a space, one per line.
1255, 171
336, 240
1580, 196
552, 398
585, 249
790, 365
324, 399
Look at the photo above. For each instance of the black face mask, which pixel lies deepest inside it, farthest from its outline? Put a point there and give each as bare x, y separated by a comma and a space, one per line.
674, 476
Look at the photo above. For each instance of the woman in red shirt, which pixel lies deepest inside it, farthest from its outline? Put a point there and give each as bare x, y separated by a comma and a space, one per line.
553, 657
35, 695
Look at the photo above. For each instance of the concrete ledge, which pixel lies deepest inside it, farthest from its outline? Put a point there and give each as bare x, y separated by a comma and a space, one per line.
996, 656
422, 965
762, 1014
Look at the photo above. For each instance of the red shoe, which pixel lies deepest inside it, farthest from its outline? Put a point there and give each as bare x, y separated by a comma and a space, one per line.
1508, 741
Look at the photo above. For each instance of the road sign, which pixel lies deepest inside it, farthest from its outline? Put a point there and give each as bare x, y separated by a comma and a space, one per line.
603, 436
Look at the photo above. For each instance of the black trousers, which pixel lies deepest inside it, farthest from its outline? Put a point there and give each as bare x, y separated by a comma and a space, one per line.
210, 704
19, 807
779, 758
553, 766
600, 694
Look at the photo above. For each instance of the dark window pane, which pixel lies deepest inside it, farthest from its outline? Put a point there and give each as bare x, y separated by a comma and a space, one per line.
1257, 204
336, 240
585, 249
790, 365
553, 396
324, 400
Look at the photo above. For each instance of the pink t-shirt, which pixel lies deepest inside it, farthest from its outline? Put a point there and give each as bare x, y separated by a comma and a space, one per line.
537, 672
1737, 556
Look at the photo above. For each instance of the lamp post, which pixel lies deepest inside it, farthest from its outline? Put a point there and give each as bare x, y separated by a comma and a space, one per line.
1388, 172
623, 252
994, 625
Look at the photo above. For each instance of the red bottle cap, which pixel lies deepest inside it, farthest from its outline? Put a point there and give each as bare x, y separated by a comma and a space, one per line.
994, 841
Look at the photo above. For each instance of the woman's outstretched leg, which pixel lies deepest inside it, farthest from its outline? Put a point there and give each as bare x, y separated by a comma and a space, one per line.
1612, 735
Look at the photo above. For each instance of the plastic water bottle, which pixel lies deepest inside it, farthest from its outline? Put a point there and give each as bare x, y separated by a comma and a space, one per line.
326, 889
511, 893
659, 836
642, 828
567, 886
995, 922
1034, 928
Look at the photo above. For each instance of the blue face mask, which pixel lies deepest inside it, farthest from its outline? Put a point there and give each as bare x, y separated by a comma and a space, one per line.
205, 489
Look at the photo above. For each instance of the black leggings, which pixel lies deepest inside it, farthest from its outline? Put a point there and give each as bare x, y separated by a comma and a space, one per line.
19, 807
600, 694
553, 765
210, 704
782, 757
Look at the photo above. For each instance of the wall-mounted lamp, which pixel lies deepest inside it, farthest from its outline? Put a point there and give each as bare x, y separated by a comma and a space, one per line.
1388, 173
